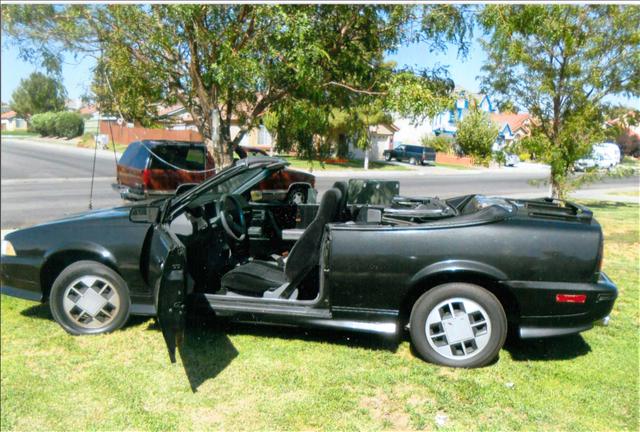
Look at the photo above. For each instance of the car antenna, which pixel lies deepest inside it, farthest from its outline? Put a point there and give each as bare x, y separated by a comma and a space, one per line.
93, 169
113, 143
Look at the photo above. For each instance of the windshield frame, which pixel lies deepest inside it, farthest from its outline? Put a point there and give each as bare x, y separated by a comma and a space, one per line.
176, 204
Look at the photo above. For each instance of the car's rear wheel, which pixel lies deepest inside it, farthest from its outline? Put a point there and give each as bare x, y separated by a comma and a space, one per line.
387, 157
458, 325
89, 298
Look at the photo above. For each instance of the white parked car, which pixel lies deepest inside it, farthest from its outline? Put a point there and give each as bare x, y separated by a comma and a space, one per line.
603, 156
511, 160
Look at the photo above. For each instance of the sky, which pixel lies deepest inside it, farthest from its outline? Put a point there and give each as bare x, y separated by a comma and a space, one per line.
77, 74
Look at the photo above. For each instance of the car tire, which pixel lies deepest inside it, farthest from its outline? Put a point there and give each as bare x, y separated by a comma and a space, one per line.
476, 326
387, 157
88, 297
298, 195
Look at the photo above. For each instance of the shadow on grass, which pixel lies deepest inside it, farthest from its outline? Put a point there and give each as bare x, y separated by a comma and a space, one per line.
205, 353
558, 348
40, 310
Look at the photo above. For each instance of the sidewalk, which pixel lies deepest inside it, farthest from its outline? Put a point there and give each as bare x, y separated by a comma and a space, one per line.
613, 194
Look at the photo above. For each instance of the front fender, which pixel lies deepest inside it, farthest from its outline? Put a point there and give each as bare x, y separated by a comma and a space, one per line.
88, 247
458, 266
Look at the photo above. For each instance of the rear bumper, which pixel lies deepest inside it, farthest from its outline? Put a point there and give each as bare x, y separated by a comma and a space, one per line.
20, 277
541, 316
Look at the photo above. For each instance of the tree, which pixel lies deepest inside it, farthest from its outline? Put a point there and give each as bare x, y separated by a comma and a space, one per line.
37, 94
239, 61
619, 128
476, 134
508, 106
559, 62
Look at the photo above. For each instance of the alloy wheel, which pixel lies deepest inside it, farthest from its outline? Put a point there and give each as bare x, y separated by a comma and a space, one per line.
91, 302
458, 328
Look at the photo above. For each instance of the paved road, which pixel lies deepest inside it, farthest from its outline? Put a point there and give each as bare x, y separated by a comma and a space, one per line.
42, 182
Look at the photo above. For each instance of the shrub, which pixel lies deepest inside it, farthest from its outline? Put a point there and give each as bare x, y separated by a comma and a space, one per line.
68, 124
476, 135
63, 124
439, 143
44, 123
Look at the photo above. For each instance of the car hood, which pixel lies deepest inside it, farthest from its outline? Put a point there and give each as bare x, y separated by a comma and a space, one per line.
93, 218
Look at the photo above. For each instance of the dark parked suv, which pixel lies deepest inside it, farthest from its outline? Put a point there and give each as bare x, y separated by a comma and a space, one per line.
415, 155
150, 168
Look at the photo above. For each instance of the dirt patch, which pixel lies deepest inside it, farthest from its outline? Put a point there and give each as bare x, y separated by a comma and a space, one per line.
383, 408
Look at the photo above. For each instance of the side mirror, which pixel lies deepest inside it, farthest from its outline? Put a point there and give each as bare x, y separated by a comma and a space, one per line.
184, 187
143, 214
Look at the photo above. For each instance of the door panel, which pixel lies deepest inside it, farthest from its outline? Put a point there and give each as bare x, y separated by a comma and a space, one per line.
168, 262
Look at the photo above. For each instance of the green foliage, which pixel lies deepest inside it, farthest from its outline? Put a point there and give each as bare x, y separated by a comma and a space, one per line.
315, 132
37, 94
439, 143
508, 106
62, 124
44, 123
559, 62
69, 124
243, 60
476, 134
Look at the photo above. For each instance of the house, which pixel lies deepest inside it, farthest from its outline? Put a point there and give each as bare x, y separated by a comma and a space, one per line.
410, 132
11, 122
381, 140
176, 117
445, 123
511, 127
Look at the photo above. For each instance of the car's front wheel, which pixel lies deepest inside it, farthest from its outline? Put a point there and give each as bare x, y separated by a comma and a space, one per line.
387, 157
89, 298
458, 325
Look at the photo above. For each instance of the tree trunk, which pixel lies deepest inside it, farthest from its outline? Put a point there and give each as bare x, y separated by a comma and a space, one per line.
366, 159
558, 184
220, 153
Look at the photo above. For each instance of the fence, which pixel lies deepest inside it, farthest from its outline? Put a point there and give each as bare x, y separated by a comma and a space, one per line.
125, 135
453, 159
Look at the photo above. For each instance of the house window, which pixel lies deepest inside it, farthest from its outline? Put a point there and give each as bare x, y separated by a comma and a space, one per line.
264, 138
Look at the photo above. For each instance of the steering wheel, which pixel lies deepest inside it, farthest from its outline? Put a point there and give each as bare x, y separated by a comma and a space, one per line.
232, 217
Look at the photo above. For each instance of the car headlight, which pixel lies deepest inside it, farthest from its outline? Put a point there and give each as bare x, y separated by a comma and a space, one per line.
7, 248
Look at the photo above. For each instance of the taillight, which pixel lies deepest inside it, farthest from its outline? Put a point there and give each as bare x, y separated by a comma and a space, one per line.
571, 298
146, 178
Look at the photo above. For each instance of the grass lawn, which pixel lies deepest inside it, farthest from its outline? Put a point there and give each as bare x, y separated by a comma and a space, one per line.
90, 143
19, 133
454, 166
352, 164
633, 193
250, 377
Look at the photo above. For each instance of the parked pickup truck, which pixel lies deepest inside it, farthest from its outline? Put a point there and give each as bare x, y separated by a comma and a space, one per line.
457, 273
415, 155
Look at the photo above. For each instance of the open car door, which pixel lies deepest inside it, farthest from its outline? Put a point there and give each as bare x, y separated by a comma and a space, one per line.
168, 262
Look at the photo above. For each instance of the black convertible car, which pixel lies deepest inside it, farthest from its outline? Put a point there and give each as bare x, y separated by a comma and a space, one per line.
457, 273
